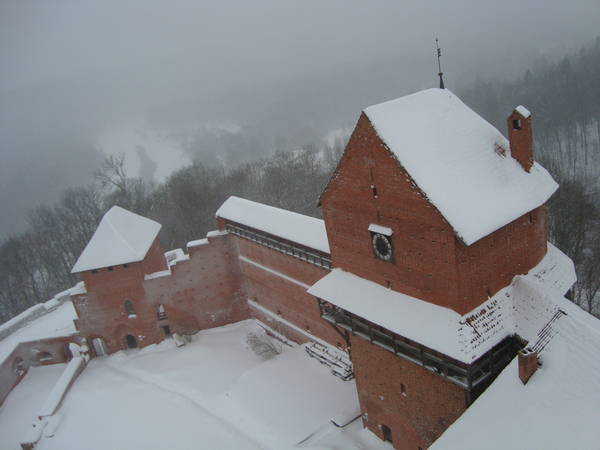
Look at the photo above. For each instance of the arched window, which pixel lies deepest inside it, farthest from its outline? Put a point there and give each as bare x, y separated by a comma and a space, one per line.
131, 341
129, 309
162, 315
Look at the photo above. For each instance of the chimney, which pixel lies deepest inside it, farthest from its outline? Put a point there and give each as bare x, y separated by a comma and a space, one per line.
528, 364
519, 135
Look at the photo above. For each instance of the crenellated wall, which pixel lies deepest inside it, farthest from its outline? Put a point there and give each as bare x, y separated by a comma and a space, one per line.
202, 290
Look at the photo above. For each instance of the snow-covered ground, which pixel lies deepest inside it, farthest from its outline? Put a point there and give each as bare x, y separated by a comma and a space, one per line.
214, 393
24, 402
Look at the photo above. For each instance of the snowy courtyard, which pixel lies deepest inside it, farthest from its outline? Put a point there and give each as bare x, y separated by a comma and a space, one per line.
222, 390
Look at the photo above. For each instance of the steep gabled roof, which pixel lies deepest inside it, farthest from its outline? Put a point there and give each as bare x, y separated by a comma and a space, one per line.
459, 161
121, 237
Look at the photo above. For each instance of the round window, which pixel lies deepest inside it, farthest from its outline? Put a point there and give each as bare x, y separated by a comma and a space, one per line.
382, 246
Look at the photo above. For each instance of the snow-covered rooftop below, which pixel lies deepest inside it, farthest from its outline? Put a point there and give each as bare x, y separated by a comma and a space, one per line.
121, 237
453, 155
519, 308
58, 322
304, 230
556, 409
216, 392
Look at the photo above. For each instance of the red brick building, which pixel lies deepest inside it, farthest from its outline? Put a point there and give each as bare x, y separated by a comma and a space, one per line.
427, 203
137, 295
429, 219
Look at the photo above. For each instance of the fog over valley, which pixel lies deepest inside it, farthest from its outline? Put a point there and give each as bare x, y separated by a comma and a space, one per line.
222, 83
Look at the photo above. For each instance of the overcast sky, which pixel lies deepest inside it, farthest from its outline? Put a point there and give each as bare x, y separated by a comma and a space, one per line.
154, 79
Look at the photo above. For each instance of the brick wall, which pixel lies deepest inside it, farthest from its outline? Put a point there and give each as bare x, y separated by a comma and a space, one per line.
429, 262
282, 296
415, 404
521, 139
490, 264
202, 292
101, 311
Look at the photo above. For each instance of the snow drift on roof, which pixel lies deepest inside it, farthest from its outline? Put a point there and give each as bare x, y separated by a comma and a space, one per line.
292, 226
453, 156
557, 409
397, 312
122, 237
523, 111
511, 310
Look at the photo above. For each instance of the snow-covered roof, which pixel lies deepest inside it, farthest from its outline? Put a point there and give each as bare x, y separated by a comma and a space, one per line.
53, 323
454, 157
121, 237
523, 111
304, 230
400, 313
465, 338
557, 409
380, 229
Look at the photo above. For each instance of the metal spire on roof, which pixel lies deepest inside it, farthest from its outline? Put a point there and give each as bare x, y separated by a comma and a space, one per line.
439, 55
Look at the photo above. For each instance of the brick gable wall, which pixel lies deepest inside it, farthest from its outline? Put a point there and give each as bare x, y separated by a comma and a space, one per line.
430, 263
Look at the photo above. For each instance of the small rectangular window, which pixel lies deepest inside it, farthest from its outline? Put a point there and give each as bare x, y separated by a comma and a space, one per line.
516, 124
374, 191
387, 433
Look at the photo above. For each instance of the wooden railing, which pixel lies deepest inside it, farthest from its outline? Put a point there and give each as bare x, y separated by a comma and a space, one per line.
469, 376
303, 253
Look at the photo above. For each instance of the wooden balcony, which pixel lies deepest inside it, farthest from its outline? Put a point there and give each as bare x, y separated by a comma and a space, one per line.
473, 377
289, 248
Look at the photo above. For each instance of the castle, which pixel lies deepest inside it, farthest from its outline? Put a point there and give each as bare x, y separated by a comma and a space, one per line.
424, 267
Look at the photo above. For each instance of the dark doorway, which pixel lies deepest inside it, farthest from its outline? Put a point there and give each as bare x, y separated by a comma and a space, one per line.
387, 433
166, 330
131, 341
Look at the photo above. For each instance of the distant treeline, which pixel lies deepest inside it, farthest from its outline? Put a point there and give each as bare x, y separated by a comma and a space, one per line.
35, 265
564, 98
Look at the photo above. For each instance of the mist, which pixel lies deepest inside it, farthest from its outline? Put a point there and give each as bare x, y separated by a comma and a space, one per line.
168, 83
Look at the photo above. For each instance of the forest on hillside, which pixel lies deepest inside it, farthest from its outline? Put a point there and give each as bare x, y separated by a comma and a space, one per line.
564, 97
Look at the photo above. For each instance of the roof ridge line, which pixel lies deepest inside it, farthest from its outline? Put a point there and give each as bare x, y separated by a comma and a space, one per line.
121, 237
